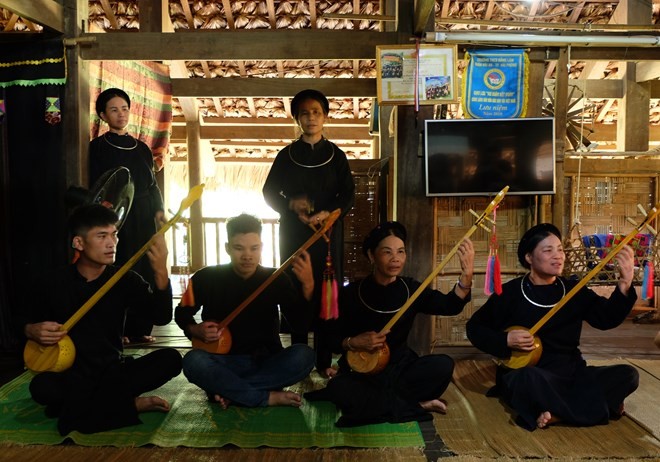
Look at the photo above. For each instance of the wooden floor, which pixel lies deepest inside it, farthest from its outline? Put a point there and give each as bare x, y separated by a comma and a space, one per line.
631, 340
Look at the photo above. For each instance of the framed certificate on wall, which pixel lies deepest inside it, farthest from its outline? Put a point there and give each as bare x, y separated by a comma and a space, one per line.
404, 77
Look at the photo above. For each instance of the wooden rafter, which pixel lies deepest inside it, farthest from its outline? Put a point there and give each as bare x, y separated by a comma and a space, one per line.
356, 11
489, 12
312, 14
11, 23
47, 13
604, 110
286, 44
229, 16
272, 20
445, 8
107, 9
185, 6
207, 74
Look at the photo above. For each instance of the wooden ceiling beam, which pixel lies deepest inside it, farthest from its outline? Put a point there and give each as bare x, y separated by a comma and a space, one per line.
270, 122
267, 88
231, 87
320, 44
604, 88
47, 13
246, 132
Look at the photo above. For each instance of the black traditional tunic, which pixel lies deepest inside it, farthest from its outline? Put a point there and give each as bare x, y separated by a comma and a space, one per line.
218, 290
394, 394
98, 392
322, 174
110, 151
561, 382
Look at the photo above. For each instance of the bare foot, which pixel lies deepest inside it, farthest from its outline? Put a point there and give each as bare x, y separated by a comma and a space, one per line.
284, 398
223, 402
151, 403
546, 419
435, 405
142, 339
328, 372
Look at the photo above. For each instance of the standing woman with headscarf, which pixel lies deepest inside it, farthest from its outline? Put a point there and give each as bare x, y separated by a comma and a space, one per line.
561, 387
309, 179
116, 148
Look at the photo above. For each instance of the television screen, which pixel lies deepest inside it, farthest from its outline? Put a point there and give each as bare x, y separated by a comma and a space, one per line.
478, 157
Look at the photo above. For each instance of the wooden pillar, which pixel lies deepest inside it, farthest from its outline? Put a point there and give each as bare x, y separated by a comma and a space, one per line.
415, 210
536, 86
561, 118
632, 131
75, 110
196, 230
386, 151
154, 17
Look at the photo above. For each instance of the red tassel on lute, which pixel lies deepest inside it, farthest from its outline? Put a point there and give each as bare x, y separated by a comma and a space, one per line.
493, 277
497, 275
329, 292
488, 278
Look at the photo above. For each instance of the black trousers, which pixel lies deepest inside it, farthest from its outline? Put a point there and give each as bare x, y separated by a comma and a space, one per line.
105, 400
392, 395
590, 396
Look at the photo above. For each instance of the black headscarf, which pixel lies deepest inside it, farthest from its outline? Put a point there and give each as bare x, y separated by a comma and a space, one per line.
531, 239
305, 95
380, 232
107, 95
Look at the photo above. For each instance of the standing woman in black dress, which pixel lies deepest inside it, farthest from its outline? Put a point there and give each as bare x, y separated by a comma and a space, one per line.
116, 148
309, 179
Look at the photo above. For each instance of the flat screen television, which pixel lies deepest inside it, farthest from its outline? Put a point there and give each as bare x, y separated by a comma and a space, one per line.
478, 157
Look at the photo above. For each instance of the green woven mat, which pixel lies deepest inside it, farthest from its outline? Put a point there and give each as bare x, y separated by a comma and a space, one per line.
194, 422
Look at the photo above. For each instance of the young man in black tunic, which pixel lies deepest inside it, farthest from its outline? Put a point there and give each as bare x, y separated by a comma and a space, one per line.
256, 368
101, 391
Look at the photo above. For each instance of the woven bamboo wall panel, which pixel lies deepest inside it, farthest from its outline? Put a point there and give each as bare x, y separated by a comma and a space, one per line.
453, 220
604, 206
604, 203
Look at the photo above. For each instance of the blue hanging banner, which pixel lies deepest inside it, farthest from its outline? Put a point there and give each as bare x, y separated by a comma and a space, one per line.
495, 84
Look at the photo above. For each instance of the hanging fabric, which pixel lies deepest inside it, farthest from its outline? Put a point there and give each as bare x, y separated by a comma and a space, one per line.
493, 278
329, 289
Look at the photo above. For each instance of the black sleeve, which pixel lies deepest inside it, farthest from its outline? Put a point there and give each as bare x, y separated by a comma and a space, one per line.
273, 187
297, 310
486, 328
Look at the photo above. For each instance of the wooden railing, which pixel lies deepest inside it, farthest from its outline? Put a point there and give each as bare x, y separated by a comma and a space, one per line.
215, 238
